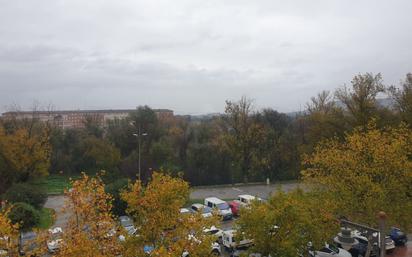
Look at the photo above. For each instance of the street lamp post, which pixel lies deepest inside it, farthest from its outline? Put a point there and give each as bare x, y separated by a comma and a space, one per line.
139, 135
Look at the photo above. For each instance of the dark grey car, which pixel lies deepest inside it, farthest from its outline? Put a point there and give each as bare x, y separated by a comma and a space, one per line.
27, 242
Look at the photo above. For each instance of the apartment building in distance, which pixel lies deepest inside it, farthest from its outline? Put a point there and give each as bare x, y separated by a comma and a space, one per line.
77, 118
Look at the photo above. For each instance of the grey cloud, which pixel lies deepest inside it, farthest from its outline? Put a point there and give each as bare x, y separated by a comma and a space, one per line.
191, 55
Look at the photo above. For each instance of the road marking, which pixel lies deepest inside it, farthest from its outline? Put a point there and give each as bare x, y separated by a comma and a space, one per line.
237, 189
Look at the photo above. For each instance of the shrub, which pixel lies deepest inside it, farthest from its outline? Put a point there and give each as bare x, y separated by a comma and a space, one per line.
24, 214
26, 193
114, 189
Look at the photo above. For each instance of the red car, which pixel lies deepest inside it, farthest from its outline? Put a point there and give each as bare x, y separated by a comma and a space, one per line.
235, 207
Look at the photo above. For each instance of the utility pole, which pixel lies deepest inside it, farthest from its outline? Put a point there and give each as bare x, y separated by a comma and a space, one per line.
382, 220
138, 142
139, 134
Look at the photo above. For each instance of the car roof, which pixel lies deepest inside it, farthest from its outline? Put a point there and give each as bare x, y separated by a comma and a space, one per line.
198, 205
214, 200
56, 230
124, 218
250, 197
28, 235
230, 231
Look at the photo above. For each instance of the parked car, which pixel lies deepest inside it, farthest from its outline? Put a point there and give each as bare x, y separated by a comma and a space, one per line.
218, 233
206, 211
223, 208
389, 243
185, 211
246, 200
214, 251
398, 236
4, 246
55, 239
242, 252
330, 250
127, 223
235, 207
230, 242
148, 249
27, 242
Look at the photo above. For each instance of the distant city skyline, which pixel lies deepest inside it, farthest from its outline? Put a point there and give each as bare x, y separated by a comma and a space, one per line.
191, 55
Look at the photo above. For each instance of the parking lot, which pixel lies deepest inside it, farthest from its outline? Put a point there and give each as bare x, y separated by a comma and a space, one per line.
231, 192
227, 192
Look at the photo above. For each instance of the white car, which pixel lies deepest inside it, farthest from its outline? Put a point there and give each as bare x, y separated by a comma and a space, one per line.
246, 200
203, 209
127, 223
231, 243
4, 246
389, 243
185, 211
223, 208
217, 232
330, 251
4, 252
55, 239
214, 251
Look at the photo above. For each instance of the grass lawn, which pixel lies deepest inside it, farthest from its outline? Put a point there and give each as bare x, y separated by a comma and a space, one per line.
46, 218
53, 184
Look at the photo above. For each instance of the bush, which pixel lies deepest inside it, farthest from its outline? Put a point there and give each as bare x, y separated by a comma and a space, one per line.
26, 193
24, 214
114, 189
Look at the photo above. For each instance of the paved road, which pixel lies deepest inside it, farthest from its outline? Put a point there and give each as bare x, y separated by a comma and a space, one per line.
231, 192
56, 202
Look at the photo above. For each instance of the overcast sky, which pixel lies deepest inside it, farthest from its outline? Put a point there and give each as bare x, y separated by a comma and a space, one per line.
192, 55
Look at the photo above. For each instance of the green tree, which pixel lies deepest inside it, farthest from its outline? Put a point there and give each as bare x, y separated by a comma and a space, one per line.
243, 137
24, 215
24, 154
99, 154
24, 192
403, 99
359, 101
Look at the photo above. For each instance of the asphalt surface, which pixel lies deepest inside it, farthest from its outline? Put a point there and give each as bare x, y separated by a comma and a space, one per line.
56, 202
231, 192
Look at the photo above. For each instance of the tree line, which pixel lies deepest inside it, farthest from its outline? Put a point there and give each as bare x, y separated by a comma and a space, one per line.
353, 153
242, 145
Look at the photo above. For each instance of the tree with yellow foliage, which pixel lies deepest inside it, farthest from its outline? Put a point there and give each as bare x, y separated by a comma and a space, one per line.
285, 224
91, 230
370, 171
155, 209
8, 234
23, 155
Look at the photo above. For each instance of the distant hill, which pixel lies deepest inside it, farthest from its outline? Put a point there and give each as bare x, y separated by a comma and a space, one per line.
382, 102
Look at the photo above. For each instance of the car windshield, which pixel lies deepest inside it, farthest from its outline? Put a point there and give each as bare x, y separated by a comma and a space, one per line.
223, 206
206, 209
334, 248
127, 223
28, 236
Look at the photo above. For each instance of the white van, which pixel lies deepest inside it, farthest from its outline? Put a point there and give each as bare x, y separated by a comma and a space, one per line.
246, 200
222, 207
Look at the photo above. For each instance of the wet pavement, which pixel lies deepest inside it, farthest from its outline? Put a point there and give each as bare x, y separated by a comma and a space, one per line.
231, 192
56, 202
